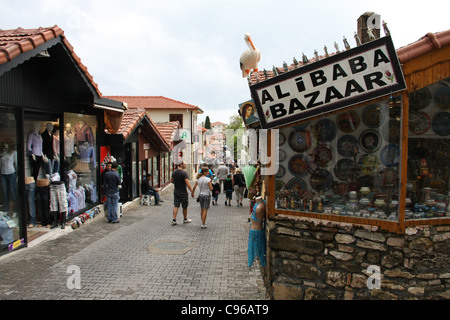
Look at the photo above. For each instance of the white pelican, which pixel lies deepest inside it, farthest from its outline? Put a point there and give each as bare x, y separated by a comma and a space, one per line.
249, 58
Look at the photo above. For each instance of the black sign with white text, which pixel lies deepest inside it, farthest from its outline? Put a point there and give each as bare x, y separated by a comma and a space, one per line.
360, 74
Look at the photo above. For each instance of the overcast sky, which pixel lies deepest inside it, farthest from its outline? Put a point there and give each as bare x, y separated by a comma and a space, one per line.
189, 50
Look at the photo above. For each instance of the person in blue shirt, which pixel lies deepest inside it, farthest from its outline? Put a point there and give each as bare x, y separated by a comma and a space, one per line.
111, 185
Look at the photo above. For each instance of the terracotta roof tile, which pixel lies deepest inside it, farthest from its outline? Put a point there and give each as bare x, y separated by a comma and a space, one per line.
168, 130
17, 41
154, 102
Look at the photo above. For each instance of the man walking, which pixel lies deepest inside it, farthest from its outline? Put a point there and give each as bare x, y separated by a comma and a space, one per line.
180, 180
111, 183
222, 173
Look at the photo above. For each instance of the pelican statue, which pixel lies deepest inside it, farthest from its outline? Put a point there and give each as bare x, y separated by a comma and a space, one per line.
249, 58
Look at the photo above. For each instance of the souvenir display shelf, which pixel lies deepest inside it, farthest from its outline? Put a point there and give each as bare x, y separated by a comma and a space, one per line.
349, 163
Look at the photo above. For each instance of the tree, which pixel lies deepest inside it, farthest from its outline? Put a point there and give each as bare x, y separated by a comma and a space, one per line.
207, 123
237, 125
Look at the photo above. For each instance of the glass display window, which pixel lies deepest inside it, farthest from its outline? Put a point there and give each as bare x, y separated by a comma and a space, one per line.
428, 182
80, 160
10, 201
345, 164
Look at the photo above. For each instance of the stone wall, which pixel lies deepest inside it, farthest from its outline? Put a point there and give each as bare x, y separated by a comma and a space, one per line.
317, 259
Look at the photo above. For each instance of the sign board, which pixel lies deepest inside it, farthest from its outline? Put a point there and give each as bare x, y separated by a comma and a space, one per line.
360, 74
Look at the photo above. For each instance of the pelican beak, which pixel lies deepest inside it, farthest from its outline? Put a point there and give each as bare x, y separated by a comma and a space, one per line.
251, 42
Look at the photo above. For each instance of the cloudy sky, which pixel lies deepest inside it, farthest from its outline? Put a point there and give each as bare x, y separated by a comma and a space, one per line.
189, 50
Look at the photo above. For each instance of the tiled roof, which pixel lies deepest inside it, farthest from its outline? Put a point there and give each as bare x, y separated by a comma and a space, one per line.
429, 42
154, 102
17, 41
168, 130
217, 123
132, 118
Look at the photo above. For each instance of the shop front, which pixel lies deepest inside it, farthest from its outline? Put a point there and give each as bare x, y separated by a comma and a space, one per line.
52, 124
363, 180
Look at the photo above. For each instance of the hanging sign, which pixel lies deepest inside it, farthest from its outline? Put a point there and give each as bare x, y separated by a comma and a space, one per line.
353, 76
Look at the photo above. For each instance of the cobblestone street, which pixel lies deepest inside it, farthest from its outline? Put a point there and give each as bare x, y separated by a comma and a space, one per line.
142, 257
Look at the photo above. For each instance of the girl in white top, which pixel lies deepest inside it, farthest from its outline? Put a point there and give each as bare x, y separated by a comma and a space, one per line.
204, 194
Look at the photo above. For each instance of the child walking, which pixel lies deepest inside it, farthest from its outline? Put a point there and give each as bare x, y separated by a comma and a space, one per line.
228, 187
216, 191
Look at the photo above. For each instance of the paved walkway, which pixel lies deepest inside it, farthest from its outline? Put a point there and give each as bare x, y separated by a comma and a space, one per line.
142, 257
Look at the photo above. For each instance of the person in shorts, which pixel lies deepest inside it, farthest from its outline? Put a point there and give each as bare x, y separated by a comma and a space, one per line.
228, 188
205, 188
180, 180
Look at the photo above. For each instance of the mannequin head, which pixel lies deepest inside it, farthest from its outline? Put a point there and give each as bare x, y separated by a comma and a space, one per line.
36, 127
49, 126
68, 127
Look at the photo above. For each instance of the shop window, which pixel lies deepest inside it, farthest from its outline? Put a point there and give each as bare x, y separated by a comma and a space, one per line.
10, 208
428, 183
80, 161
344, 164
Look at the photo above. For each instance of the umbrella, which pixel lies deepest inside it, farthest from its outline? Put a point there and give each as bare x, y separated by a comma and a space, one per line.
249, 174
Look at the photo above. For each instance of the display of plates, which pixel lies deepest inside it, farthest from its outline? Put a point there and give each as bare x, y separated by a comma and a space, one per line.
325, 130
391, 131
347, 146
441, 123
281, 155
281, 139
296, 184
370, 140
442, 97
346, 170
299, 140
321, 180
373, 116
369, 164
419, 99
301, 126
322, 155
348, 121
281, 172
279, 185
419, 122
390, 155
297, 166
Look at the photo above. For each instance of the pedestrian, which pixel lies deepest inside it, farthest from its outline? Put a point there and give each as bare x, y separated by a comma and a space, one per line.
111, 183
204, 194
180, 180
222, 172
148, 190
216, 191
239, 186
228, 187
257, 235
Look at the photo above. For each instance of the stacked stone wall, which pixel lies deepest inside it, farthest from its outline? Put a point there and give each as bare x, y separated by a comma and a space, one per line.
312, 259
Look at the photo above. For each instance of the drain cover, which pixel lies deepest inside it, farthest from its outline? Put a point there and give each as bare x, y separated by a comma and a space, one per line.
168, 247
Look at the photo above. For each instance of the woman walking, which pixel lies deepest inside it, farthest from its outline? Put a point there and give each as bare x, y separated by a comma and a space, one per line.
204, 196
239, 186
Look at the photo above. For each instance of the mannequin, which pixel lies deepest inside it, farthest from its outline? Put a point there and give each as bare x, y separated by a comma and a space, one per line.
257, 235
34, 149
47, 148
56, 152
69, 142
8, 169
84, 133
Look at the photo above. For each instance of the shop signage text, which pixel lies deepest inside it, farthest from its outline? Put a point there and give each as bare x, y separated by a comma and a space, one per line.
348, 78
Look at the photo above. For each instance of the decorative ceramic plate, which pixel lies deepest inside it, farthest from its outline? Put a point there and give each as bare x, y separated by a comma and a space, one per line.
441, 123
296, 184
281, 172
370, 140
297, 166
369, 164
348, 121
347, 146
419, 122
322, 155
346, 170
279, 185
419, 99
321, 180
391, 131
282, 155
299, 140
281, 139
325, 130
390, 155
373, 116
442, 97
